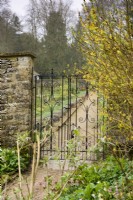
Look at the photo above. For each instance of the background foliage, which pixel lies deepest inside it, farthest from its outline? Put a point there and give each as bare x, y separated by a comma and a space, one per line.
46, 32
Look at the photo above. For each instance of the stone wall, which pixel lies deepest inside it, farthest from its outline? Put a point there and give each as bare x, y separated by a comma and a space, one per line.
15, 96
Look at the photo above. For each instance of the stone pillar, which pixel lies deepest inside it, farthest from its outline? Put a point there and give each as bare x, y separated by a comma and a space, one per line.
15, 96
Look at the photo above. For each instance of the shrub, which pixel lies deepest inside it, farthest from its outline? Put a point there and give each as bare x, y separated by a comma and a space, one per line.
106, 180
9, 161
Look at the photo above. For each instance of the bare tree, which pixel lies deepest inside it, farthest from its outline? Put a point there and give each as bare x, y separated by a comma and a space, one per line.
4, 3
39, 11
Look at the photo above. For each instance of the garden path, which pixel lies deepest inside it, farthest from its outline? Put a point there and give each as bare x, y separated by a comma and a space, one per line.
85, 120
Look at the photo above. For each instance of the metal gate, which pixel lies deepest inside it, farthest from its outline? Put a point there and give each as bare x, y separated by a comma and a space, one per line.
65, 108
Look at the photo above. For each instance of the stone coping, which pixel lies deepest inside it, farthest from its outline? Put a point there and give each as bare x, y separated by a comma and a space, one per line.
19, 54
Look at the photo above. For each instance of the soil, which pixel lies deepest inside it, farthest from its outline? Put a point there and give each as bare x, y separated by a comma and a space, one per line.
40, 187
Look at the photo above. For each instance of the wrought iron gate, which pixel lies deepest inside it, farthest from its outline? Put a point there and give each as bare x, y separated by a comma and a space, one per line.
66, 107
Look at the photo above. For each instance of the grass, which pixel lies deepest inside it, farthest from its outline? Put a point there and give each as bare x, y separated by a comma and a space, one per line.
45, 103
